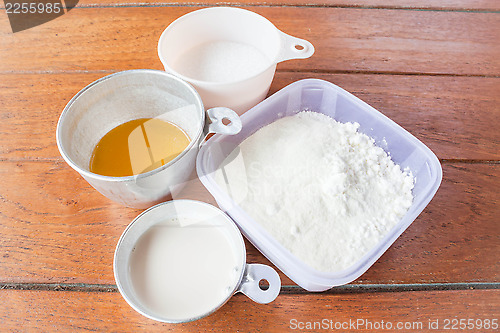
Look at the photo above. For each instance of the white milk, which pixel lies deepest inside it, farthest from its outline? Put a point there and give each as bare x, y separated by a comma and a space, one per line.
222, 61
182, 269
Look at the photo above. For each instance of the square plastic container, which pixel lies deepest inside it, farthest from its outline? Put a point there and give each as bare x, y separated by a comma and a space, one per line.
327, 98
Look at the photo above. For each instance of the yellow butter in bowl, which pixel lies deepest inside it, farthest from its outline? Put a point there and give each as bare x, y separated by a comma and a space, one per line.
137, 146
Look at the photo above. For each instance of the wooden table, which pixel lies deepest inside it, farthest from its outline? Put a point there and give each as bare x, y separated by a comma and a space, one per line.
434, 69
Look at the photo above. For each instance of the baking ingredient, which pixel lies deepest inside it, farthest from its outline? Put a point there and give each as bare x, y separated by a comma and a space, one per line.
222, 62
322, 189
182, 268
137, 146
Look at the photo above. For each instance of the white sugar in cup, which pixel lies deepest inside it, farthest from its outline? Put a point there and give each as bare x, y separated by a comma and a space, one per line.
228, 54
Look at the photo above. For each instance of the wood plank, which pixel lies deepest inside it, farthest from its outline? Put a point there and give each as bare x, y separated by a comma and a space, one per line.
96, 311
346, 39
449, 5
47, 208
483, 5
455, 116
447, 242
448, 114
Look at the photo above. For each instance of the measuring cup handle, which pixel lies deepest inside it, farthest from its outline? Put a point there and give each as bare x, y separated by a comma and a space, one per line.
254, 273
216, 125
217, 115
294, 48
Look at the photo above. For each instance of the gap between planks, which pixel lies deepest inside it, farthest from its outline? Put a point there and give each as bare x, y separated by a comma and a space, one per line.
284, 4
351, 72
441, 160
286, 290
467, 161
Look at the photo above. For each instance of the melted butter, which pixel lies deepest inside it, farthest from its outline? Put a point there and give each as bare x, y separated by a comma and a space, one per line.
137, 146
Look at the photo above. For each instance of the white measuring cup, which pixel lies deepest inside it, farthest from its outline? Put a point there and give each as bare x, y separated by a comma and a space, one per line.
181, 260
237, 25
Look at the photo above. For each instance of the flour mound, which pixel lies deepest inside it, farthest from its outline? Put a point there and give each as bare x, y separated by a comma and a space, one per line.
322, 189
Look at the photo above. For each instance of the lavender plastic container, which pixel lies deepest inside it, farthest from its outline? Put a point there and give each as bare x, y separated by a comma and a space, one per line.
329, 99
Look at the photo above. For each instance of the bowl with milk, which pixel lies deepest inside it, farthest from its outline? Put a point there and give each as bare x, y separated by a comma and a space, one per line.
181, 260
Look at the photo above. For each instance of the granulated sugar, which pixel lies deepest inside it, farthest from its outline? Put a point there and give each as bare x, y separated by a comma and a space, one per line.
222, 61
319, 187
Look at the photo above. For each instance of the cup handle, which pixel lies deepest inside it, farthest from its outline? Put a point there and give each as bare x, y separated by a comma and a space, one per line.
249, 286
294, 48
216, 125
217, 115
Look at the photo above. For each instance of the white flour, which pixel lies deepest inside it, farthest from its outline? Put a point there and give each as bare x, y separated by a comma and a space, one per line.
319, 187
222, 61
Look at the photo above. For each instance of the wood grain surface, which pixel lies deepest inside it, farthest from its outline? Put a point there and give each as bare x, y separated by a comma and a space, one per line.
468, 5
391, 41
57, 209
431, 66
456, 117
62, 311
450, 5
